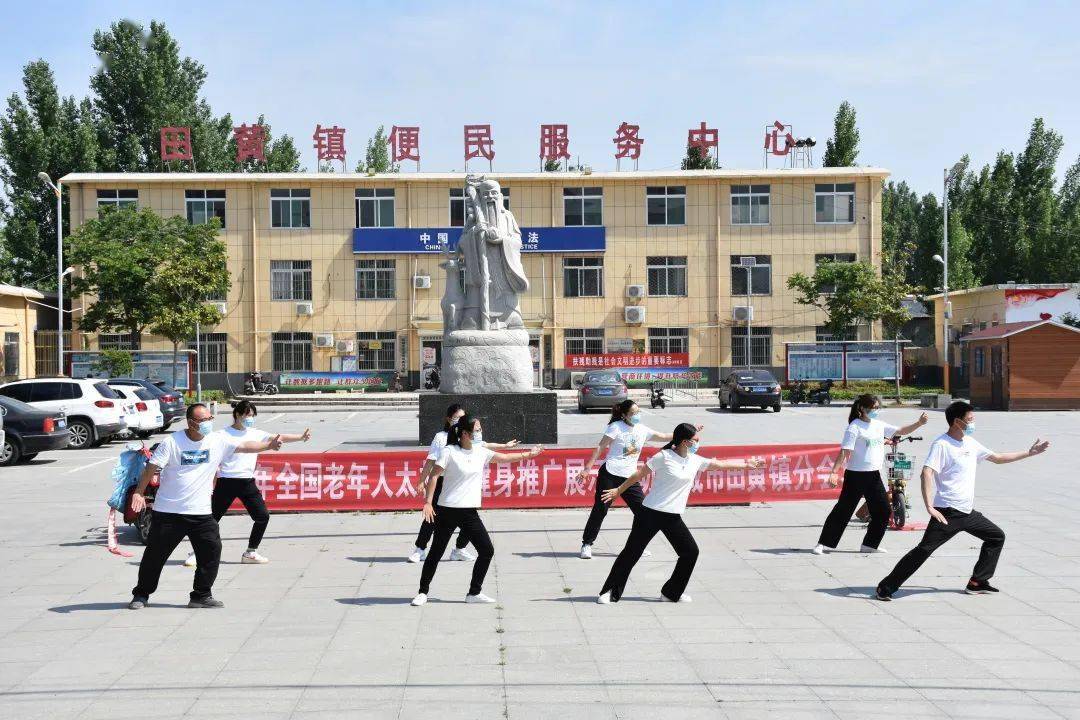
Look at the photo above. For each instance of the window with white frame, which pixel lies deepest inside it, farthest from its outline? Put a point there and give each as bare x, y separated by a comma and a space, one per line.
820, 258
760, 346
374, 207
749, 204
212, 349
290, 351
584, 341
290, 279
457, 205
583, 206
666, 275
119, 341
760, 275
834, 203
669, 340
665, 205
290, 208
376, 279
583, 277
375, 350
204, 205
117, 199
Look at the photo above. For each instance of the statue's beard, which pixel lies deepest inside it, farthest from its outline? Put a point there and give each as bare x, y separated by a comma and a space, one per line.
491, 212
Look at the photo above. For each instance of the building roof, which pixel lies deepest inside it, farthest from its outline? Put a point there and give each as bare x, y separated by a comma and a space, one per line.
626, 175
1008, 286
20, 292
1007, 329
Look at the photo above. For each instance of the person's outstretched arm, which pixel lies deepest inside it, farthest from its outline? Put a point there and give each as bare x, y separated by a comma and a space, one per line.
908, 429
1036, 448
302, 437
511, 457
258, 446
748, 463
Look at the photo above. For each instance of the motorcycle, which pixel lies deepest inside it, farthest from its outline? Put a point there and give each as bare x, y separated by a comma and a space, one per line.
255, 385
798, 392
821, 395
656, 396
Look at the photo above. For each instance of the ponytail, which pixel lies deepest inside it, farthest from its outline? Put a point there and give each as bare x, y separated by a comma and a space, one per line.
683, 431
862, 403
450, 412
618, 412
465, 424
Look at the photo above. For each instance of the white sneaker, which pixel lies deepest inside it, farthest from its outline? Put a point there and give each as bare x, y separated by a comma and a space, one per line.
461, 554
252, 557
819, 549
586, 552
604, 599
419, 600
418, 555
868, 549
479, 598
684, 598
646, 553
190, 562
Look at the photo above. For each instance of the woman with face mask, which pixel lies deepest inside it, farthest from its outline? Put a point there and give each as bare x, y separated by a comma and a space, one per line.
623, 441
673, 469
862, 451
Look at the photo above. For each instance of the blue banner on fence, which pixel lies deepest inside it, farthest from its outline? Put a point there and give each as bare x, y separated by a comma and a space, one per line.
434, 240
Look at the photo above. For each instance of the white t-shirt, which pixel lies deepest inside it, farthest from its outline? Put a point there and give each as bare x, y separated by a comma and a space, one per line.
437, 445
626, 444
463, 475
187, 471
242, 465
866, 441
954, 462
673, 476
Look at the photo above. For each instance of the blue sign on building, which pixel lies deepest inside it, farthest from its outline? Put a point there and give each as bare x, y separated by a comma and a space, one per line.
435, 240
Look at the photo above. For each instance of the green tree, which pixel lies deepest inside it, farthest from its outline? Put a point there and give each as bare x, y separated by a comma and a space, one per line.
553, 165
899, 230
1068, 225
1070, 320
696, 160
377, 155
853, 294
115, 363
842, 148
1034, 206
995, 252
281, 154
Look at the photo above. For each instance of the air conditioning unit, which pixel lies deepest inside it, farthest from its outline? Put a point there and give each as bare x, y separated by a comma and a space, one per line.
304, 308
422, 282
345, 346
634, 314
221, 307
576, 379
324, 340
742, 313
635, 292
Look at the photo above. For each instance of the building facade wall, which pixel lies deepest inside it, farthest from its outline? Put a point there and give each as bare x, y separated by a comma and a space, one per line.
18, 321
1044, 369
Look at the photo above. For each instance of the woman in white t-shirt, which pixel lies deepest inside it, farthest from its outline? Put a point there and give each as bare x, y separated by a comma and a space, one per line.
461, 465
862, 451
623, 441
673, 469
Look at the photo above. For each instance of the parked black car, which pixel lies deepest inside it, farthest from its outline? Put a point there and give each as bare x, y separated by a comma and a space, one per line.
172, 401
29, 430
750, 388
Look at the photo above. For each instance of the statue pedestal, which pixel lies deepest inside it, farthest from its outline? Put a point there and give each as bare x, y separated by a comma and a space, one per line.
531, 417
486, 361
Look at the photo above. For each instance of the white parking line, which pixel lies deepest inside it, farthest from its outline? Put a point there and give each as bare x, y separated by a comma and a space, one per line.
279, 415
90, 465
351, 416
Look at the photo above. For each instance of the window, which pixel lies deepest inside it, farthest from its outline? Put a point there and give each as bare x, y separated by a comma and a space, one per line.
589, 341
667, 275
290, 351
376, 279
117, 199
980, 361
375, 350
290, 279
823, 334
583, 206
374, 207
666, 205
832, 257
53, 391
119, 341
213, 348
760, 275
290, 208
749, 204
834, 203
217, 296
203, 205
11, 354
583, 277
669, 340
760, 346
457, 205
18, 391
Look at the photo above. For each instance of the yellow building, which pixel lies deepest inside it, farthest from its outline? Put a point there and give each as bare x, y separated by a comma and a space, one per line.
303, 298
18, 322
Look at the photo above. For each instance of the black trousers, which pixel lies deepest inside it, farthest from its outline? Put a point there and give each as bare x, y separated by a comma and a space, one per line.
229, 489
426, 528
858, 485
606, 481
937, 534
166, 532
447, 520
648, 522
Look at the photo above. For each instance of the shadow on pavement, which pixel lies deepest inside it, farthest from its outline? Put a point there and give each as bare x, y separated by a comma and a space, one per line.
864, 593
369, 560
108, 606
385, 600
800, 551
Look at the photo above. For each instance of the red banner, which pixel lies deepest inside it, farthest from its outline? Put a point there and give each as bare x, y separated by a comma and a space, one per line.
387, 480
627, 360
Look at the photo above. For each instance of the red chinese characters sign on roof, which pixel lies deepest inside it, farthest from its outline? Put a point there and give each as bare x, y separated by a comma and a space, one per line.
404, 143
479, 143
554, 142
176, 144
329, 142
703, 138
250, 142
627, 360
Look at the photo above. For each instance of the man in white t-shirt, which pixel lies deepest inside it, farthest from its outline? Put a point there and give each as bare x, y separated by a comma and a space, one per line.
948, 488
186, 463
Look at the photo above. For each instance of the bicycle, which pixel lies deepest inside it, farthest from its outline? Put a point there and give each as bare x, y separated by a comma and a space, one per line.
899, 469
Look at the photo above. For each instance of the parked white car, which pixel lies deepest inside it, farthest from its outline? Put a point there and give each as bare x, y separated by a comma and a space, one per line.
147, 417
94, 411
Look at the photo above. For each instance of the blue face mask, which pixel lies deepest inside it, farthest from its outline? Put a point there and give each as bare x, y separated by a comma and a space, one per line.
872, 414
969, 429
478, 437
692, 448
206, 427
633, 419
249, 422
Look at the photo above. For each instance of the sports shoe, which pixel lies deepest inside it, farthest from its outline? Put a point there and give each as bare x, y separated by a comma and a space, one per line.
206, 602
479, 598
419, 600
138, 603
646, 553
819, 549
604, 598
684, 598
586, 552
461, 554
418, 555
979, 587
190, 562
252, 557
882, 594
868, 549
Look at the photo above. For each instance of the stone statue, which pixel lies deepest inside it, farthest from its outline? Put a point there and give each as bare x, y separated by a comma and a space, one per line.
485, 345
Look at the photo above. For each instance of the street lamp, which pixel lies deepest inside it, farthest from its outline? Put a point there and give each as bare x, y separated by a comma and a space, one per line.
60, 272
748, 262
944, 260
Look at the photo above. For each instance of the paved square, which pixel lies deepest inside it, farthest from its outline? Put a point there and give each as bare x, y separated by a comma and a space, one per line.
325, 630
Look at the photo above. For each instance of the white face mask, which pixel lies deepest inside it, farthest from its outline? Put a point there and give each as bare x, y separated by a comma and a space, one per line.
478, 437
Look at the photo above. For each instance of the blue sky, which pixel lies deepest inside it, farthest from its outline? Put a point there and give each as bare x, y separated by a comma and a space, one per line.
930, 81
